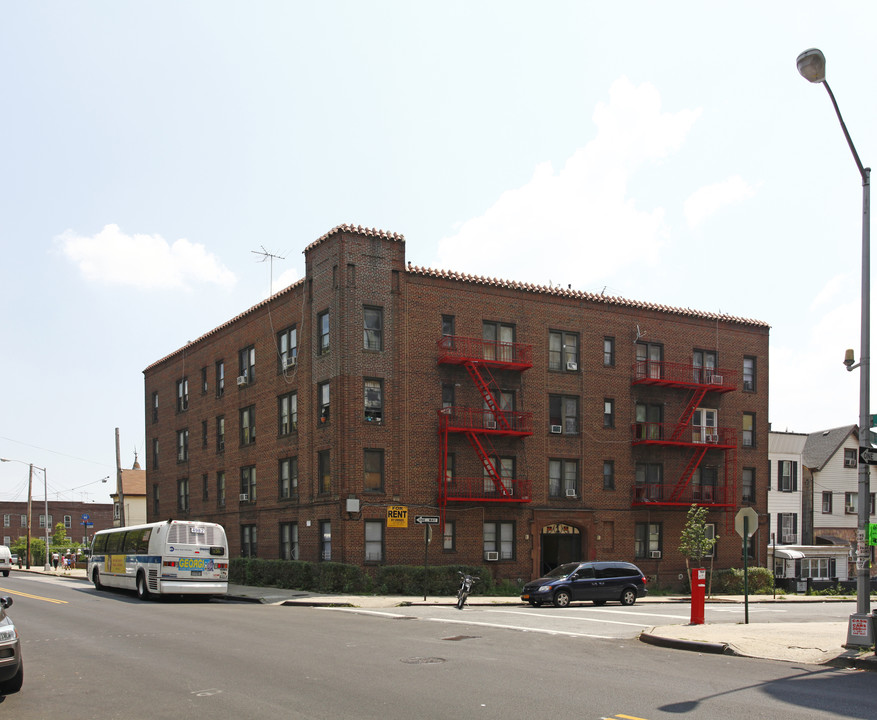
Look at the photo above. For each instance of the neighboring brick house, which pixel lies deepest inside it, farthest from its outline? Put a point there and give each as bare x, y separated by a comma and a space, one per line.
540, 424
13, 519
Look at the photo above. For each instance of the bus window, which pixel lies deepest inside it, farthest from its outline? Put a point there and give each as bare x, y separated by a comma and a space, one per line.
100, 544
115, 542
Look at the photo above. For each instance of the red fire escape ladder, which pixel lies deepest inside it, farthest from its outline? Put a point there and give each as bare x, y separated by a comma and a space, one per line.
693, 403
487, 394
484, 456
685, 478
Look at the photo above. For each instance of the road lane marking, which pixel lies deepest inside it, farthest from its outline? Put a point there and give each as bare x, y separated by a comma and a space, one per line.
572, 617
358, 611
34, 597
520, 627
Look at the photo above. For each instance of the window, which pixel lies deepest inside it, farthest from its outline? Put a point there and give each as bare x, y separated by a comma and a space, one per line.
68, 521
155, 407
373, 464
205, 489
563, 351
748, 374
204, 387
249, 541
155, 505
323, 332
818, 567
203, 433
649, 479
563, 414
703, 483
248, 484
827, 497
220, 433
704, 426
449, 536
182, 394
374, 540
325, 540
748, 430
220, 488
287, 413
851, 457
23, 521
6, 522
287, 348
608, 474
499, 538
608, 352
183, 494
787, 476
563, 478
288, 478
608, 413
182, 445
851, 503
647, 540
324, 472
705, 363
373, 392
450, 464
649, 360
289, 541
373, 328
498, 341
504, 467
649, 422
788, 527
323, 402
220, 378
154, 454
247, 364
248, 425
447, 396
709, 532
448, 323
748, 483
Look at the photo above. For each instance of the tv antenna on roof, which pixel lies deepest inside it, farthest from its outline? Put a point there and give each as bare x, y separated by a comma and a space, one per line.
270, 258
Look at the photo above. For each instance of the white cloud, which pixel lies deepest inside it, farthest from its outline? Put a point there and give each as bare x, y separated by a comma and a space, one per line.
707, 201
582, 212
143, 261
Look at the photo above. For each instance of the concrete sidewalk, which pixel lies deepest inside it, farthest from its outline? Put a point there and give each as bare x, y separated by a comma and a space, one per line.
815, 643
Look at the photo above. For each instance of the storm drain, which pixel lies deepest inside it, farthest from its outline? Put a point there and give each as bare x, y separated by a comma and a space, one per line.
422, 660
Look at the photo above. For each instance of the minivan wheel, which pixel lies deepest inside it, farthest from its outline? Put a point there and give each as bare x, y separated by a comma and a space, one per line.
628, 597
561, 598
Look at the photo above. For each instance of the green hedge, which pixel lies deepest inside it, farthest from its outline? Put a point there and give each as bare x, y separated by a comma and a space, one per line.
730, 582
329, 577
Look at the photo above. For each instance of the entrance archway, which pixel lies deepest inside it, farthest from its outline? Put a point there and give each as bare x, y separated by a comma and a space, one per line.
559, 543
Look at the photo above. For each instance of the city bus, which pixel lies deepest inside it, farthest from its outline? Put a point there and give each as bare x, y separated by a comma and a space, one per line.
176, 557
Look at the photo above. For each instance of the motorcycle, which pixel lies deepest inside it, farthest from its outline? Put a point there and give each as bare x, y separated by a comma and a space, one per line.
466, 583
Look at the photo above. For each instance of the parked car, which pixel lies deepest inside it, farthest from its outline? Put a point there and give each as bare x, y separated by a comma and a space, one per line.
5, 560
594, 581
11, 664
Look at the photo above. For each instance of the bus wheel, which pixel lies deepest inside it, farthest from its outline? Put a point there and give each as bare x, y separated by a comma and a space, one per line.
95, 578
142, 590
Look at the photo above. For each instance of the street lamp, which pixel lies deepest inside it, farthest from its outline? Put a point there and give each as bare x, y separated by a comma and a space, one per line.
811, 65
46, 500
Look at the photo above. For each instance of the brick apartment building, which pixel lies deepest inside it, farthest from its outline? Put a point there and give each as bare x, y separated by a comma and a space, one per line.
539, 424
13, 517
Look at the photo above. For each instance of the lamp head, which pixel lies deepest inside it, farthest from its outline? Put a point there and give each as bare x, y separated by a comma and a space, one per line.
849, 358
811, 65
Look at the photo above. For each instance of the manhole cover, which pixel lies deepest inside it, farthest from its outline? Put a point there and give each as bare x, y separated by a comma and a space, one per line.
422, 660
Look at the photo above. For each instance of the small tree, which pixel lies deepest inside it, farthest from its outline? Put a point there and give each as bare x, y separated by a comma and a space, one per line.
694, 543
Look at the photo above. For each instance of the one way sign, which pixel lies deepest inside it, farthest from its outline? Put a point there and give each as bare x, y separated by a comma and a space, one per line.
868, 456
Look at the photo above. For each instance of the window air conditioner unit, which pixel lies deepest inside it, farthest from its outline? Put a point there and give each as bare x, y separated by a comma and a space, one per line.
245, 497
490, 424
712, 438
571, 492
289, 363
850, 463
655, 554
572, 366
557, 429
851, 509
717, 380
492, 556
242, 380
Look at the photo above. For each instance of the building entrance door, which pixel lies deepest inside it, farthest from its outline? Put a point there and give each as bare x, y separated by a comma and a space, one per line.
560, 543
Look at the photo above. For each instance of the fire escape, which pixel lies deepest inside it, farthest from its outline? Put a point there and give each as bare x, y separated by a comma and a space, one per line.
693, 439
481, 425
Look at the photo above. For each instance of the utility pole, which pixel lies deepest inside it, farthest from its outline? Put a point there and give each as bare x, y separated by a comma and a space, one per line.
29, 505
119, 491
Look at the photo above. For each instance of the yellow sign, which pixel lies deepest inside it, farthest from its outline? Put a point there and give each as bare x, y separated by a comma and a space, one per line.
397, 516
115, 564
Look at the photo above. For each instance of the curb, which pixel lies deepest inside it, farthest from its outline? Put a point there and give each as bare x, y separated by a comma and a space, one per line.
692, 645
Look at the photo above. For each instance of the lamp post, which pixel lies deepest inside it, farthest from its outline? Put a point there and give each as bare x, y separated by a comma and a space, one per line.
46, 500
811, 65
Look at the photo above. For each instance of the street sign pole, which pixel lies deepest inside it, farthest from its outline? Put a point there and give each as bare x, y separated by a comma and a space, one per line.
746, 569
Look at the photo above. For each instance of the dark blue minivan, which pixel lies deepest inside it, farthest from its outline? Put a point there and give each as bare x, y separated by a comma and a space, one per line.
596, 582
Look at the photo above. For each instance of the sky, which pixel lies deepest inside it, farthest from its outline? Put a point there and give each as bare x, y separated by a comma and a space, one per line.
669, 152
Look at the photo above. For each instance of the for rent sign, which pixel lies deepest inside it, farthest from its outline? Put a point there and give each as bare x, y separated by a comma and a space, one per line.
397, 516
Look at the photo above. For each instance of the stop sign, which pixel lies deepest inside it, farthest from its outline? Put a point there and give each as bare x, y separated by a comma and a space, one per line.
752, 524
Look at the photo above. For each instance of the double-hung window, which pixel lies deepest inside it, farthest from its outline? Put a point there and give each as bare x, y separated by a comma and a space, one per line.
182, 445
647, 540
373, 467
288, 478
498, 341
649, 360
748, 484
748, 374
563, 414
220, 378
182, 394
748, 430
499, 540
608, 352
649, 479
563, 478
787, 475
288, 413
183, 494
323, 402
563, 351
374, 541
287, 347
249, 541
324, 472
248, 483
248, 425
373, 328
323, 332
247, 364
373, 392
289, 541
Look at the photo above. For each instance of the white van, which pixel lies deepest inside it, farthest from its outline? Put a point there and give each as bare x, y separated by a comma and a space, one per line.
5, 560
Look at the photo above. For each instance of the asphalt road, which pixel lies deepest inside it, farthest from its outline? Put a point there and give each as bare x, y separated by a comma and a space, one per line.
106, 655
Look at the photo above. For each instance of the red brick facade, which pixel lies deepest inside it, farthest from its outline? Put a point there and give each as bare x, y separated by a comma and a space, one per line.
100, 515
351, 269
